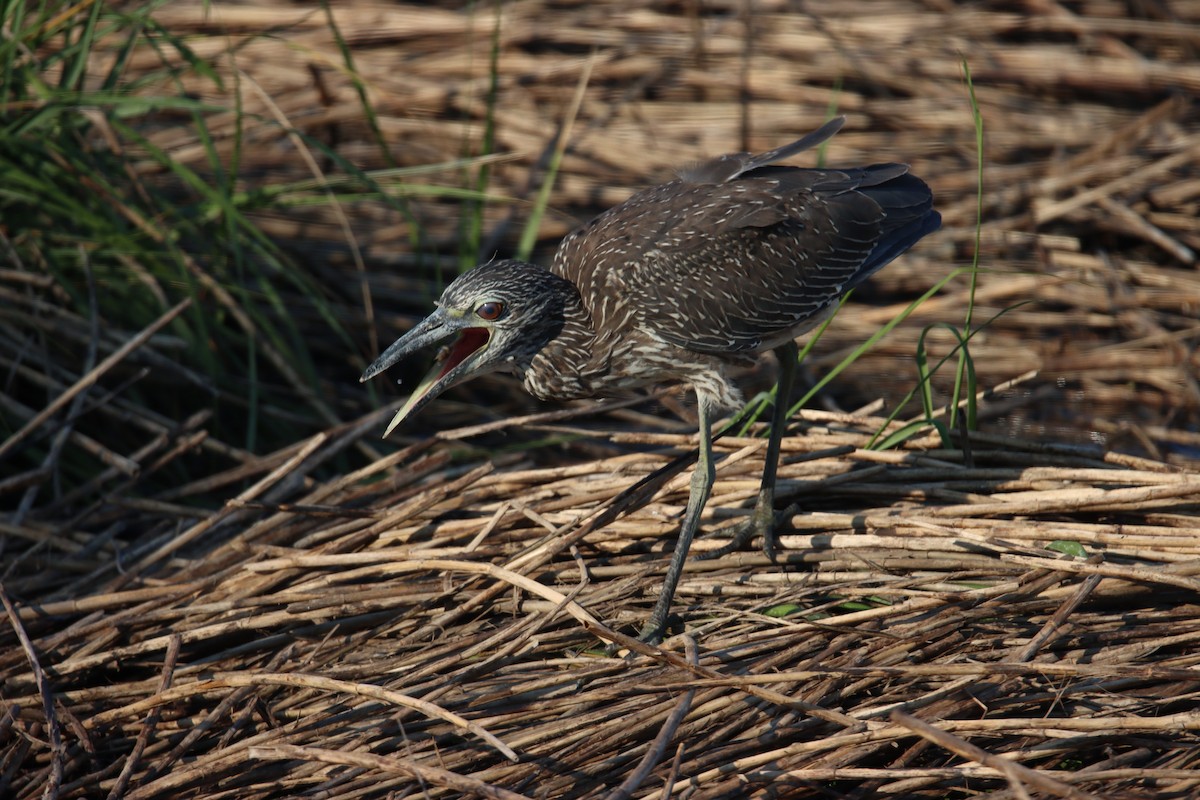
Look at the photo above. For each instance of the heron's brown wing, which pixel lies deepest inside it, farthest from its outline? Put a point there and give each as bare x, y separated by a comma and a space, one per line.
750, 286
738, 266
603, 257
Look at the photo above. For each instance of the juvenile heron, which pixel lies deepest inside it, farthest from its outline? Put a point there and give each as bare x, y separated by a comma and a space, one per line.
673, 286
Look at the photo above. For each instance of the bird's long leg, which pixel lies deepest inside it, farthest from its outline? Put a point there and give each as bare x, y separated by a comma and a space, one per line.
762, 520
702, 482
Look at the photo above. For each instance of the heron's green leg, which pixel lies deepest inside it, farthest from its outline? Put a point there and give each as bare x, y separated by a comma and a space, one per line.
762, 520
702, 482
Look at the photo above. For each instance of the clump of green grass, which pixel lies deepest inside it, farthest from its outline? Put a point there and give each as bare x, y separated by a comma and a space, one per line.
90, 201
111, 230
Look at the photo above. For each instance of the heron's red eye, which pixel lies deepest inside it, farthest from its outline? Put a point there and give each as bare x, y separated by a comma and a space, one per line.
490, 311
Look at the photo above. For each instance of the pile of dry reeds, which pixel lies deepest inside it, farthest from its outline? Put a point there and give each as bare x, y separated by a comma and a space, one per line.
997, 613
432, 625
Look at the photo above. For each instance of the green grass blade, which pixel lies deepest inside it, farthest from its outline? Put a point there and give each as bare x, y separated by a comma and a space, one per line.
530, 232
471, 238
75, 70
875, 337
360, 88
965, 369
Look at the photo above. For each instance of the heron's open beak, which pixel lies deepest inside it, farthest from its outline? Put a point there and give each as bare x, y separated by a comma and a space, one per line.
454, 362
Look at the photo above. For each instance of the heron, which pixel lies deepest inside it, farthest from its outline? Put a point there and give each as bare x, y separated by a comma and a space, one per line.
675, 286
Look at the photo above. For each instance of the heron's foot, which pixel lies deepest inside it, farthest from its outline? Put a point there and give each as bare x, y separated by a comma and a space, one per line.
762, 523
653, 633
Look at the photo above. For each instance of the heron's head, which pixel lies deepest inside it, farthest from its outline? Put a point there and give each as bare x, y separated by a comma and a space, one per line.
496, 317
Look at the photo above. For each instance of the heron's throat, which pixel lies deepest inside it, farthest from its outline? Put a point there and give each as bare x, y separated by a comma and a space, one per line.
469, 342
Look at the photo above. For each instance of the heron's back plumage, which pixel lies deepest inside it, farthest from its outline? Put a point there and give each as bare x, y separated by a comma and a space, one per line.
739, 255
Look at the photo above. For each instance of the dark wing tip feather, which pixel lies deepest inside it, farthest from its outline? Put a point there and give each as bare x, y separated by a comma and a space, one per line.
734, 165
817, 137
